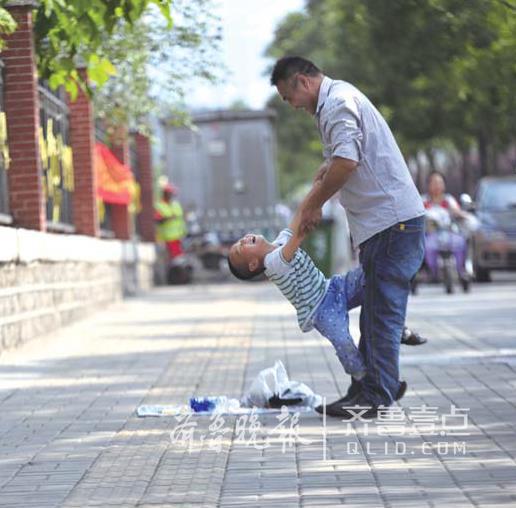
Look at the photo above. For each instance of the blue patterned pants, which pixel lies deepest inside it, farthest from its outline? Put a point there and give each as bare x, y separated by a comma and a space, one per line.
332, 320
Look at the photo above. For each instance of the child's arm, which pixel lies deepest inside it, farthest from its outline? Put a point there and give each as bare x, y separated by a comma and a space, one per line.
289, 249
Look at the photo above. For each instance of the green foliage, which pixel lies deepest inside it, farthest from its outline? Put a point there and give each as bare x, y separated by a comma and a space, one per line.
67, 32
440, 70
299, 146
154, 63
137, 59
7, 25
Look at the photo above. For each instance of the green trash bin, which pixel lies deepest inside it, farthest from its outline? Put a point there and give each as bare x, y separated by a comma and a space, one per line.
319, 245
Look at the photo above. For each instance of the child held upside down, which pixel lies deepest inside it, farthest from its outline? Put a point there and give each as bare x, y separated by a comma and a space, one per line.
320, 303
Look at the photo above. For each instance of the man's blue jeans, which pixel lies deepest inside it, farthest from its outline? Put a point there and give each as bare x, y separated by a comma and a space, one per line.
389, 260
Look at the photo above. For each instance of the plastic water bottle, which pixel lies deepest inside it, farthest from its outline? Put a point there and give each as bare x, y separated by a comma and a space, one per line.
219, 404
208, 404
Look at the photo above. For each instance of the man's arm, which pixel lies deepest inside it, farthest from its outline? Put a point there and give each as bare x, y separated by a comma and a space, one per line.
329, 179
160, 218
321, 171
335, 176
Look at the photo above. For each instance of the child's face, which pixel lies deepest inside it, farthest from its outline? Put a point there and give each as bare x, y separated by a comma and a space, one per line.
249, 251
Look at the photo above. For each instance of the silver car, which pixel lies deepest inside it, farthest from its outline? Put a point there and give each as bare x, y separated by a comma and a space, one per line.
494, 242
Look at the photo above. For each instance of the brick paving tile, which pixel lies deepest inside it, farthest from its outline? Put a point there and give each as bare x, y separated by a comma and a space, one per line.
69, 436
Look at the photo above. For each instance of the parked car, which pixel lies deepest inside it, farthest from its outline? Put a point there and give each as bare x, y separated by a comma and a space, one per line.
494, 241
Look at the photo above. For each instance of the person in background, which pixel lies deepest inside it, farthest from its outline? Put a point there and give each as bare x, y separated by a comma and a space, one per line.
438, 201
171, 227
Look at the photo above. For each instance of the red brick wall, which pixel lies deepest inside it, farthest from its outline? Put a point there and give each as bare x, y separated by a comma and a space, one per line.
121, 223
22, 109
146, 217
82, 136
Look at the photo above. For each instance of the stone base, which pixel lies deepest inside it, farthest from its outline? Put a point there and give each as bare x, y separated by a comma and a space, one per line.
49, 280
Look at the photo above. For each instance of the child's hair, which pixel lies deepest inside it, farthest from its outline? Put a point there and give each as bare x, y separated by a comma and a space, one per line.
243, 273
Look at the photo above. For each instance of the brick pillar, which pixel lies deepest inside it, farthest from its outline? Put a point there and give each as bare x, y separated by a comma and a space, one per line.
21, 100
121, 220
82, 136
146, 216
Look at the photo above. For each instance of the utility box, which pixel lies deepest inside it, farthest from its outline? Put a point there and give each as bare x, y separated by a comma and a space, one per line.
225, 169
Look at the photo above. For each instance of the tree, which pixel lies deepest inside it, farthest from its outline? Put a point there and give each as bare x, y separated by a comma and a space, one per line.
441, 71
68, 31
299, 146
154, 63
486, 74
137, 60
440, 62
7, 25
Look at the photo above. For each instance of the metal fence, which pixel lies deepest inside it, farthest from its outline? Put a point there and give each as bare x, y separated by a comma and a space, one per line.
105, 209
135, 169
100, 131
4, 151
106, 220
56, 158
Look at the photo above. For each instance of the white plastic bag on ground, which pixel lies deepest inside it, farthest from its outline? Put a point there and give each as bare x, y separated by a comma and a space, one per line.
272, 388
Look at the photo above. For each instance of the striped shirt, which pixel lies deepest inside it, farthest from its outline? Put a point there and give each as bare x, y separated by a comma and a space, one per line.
300, 281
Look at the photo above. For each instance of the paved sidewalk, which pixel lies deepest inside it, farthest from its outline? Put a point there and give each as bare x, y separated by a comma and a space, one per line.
69, 435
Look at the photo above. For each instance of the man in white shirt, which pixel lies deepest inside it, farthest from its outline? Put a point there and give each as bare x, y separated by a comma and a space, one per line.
385, 213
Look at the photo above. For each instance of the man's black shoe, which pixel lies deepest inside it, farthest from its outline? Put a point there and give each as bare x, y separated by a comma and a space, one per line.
359, 409
349, 399
353, 391
343, 401
411, 338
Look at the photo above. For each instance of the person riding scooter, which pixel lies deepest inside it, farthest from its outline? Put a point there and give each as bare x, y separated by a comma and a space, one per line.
443, 212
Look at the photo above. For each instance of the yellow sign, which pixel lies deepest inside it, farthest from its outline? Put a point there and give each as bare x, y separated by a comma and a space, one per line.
4, 147
57, 163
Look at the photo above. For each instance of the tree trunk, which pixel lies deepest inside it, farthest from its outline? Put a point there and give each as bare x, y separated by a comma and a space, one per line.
431, 159
482, 154
466, 169
487, 154
493, 157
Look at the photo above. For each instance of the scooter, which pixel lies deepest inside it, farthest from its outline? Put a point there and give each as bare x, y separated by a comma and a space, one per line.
179, 270
446, 261
443, 233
